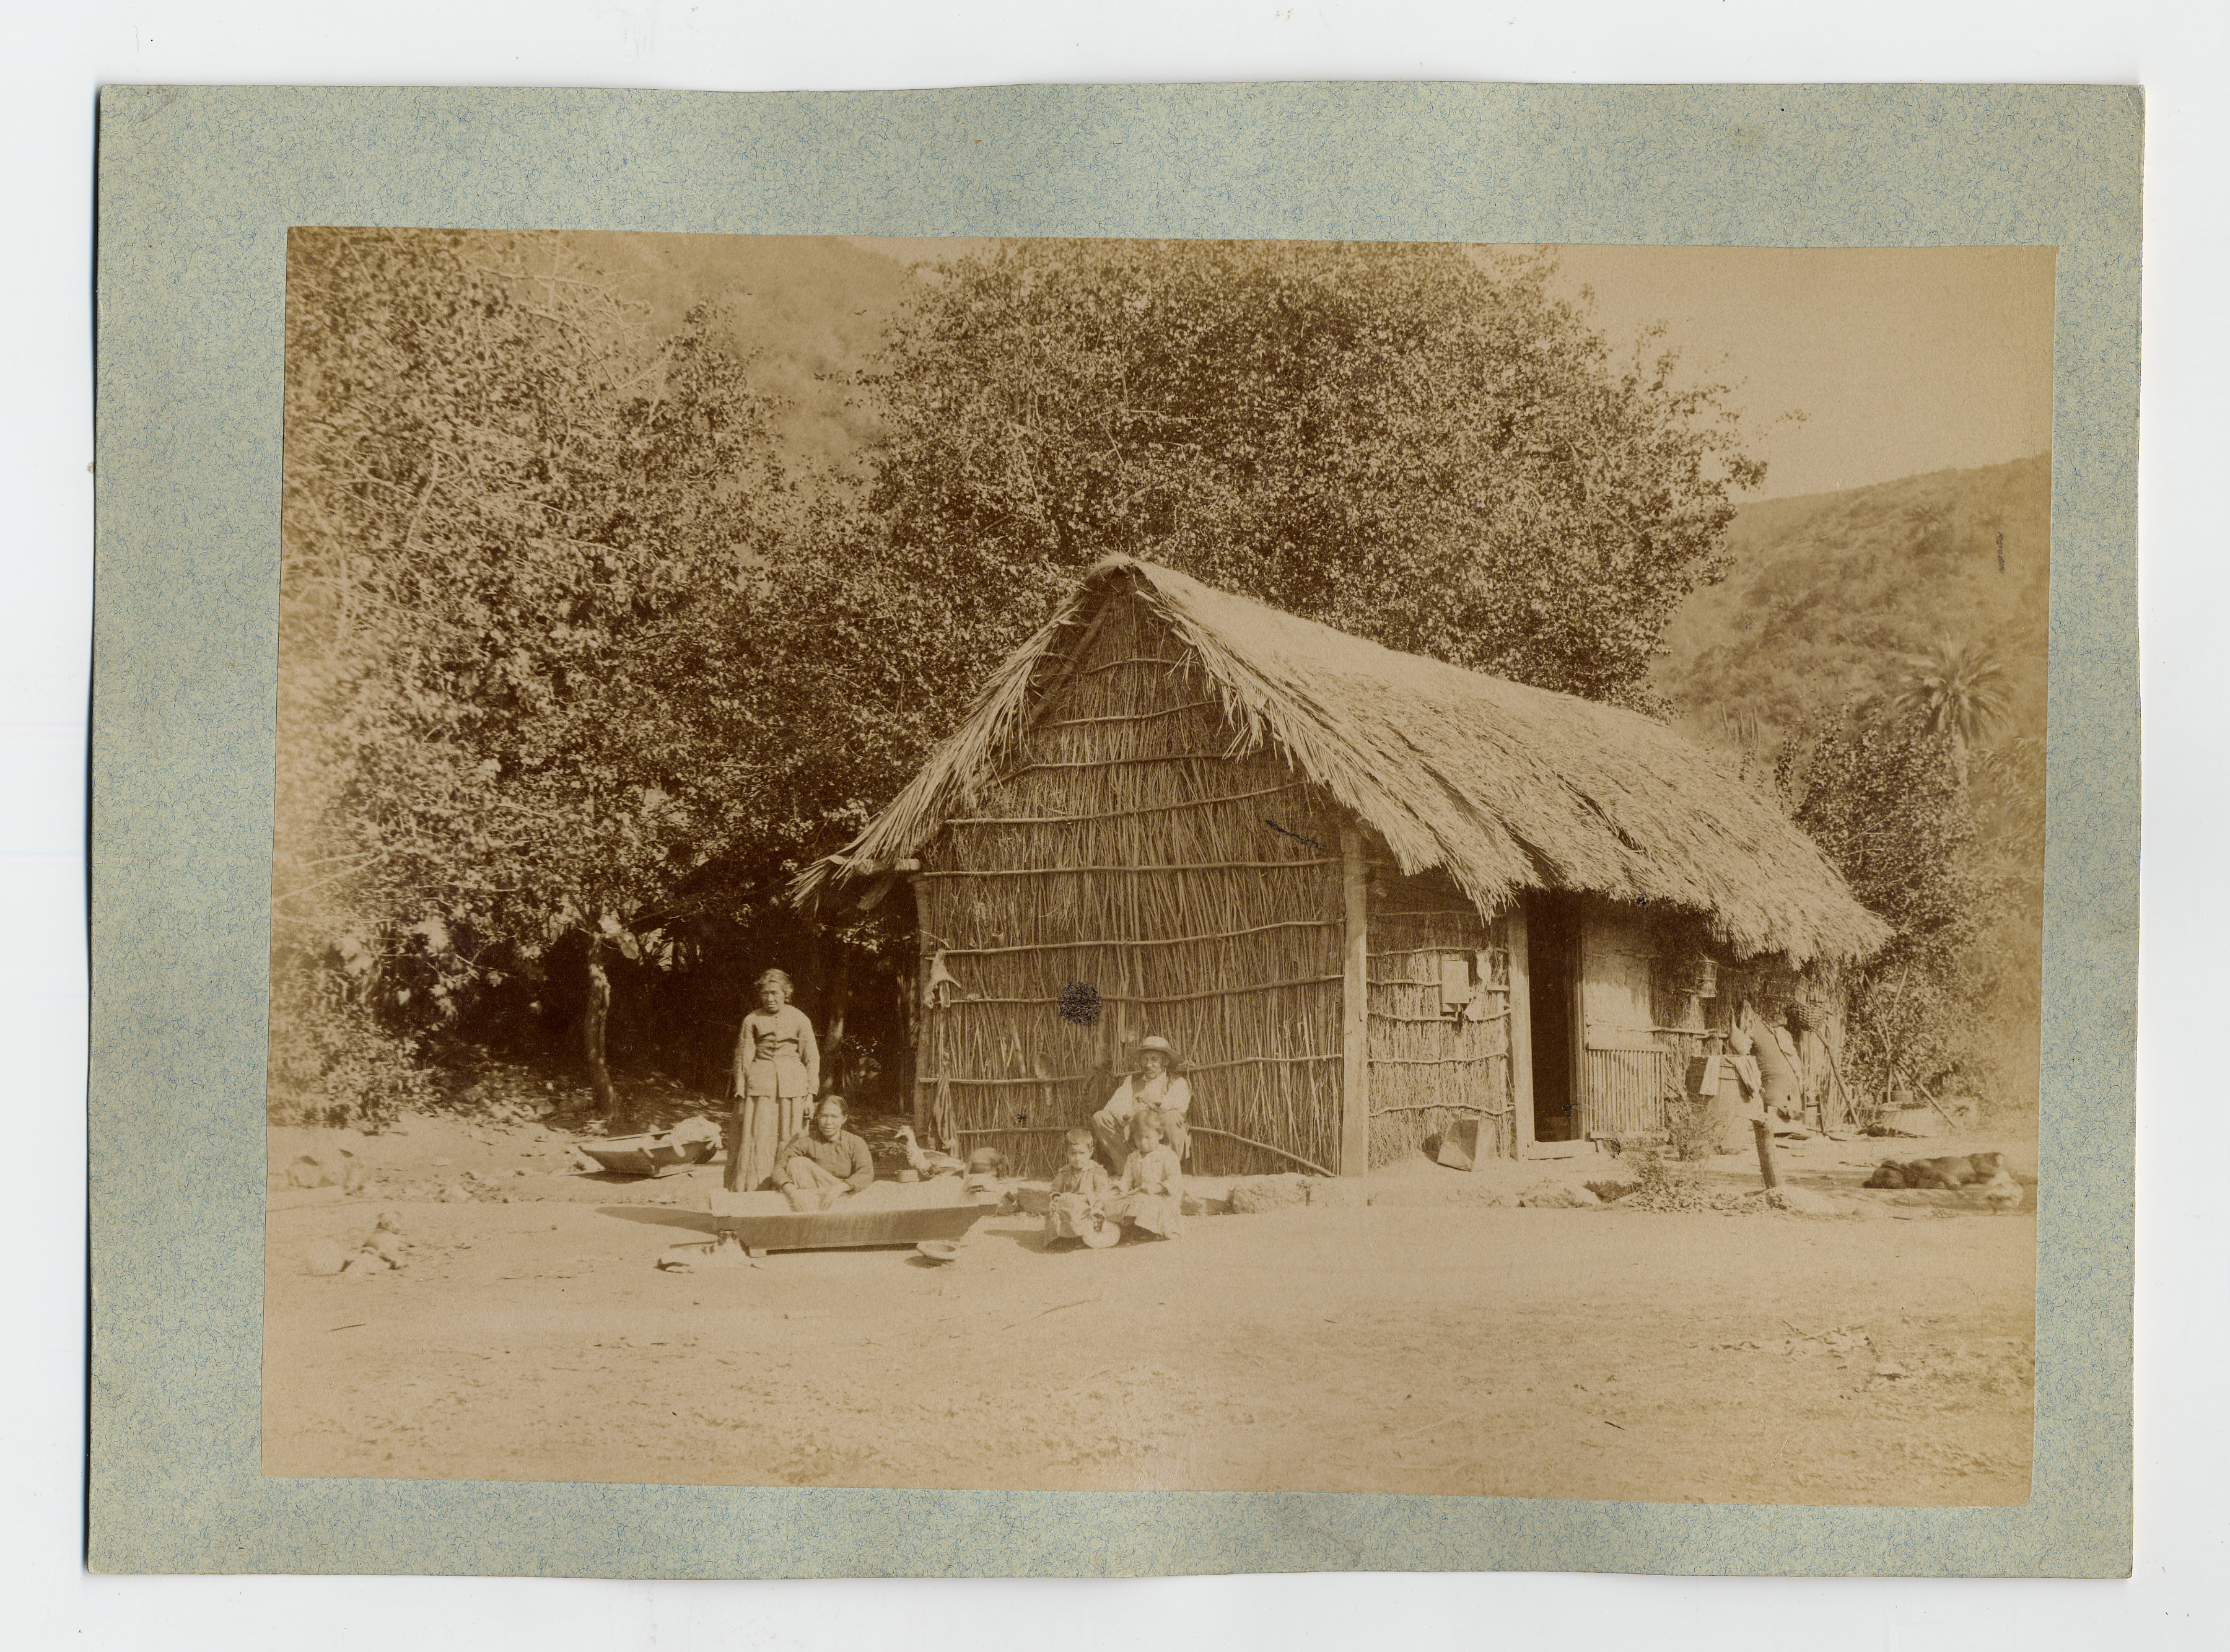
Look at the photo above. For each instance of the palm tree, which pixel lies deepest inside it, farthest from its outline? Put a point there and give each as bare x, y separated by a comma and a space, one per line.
1957, 690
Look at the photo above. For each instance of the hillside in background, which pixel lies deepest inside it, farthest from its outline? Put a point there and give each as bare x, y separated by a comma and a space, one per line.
1827, 596
1830, 592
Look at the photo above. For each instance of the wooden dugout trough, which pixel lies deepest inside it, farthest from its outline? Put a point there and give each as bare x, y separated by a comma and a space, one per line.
743, 1229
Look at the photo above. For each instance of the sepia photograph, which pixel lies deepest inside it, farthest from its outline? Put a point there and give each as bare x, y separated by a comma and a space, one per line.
1159, 865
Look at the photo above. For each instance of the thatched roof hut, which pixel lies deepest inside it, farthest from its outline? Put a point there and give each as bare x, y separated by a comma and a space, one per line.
1204, 814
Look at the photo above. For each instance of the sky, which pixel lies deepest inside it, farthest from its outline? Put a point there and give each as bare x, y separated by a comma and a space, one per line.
1902, 360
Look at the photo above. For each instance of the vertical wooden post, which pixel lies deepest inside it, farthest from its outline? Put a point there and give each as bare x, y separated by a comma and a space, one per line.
1584, 934
1355, 1009
918, 1016
1766, 1168
1521, 1034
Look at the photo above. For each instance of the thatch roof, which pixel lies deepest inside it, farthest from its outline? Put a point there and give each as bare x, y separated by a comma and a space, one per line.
1509, 788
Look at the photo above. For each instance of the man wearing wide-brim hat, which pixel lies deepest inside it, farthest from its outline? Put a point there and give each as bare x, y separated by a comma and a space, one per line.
1155, 1081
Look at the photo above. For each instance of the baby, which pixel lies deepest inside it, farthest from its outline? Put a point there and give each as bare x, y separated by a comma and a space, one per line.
1080, 1189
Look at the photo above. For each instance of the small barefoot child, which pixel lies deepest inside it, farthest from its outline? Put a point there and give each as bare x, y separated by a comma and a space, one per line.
1151, 1197
1081, 1191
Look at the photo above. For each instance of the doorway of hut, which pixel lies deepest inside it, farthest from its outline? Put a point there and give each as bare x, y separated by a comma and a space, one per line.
1552, 971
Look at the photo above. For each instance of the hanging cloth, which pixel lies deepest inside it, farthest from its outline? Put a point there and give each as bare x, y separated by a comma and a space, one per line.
942, 989
941, 1122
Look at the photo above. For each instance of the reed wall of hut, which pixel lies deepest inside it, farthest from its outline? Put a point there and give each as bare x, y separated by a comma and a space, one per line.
1440, 1017
1174, 810
1124, 876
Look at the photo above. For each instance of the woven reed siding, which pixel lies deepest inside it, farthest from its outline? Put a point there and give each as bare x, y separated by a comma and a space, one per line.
1683, 1020
1622, 1092
1235, 959
1621, 1086
1427, 1068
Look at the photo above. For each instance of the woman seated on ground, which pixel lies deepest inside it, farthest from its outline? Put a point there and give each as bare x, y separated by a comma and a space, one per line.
1080, 1192
824, 1162
1156, 1084
1150, 1198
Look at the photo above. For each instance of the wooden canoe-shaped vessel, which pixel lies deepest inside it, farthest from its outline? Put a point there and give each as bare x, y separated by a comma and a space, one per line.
857, 1229
647, 1155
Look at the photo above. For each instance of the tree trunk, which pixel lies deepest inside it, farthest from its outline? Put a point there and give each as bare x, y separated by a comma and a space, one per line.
838, 1071
592, 1037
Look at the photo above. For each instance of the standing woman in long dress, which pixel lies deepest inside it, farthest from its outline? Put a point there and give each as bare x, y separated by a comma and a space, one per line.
777, 1072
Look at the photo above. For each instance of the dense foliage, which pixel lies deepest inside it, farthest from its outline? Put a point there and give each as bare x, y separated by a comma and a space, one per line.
1412, 443
510, 515
1880, 792
573, 678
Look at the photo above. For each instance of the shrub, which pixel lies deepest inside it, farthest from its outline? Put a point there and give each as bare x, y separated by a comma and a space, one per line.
331, 1062
1688, 1125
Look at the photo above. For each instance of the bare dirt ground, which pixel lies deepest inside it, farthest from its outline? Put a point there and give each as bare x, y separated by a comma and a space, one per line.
1440, 1340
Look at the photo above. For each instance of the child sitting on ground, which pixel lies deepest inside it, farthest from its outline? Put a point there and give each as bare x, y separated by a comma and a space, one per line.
1152, 1198
1081, 1191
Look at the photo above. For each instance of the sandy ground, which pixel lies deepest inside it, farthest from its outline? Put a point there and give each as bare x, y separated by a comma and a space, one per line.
1437, 1342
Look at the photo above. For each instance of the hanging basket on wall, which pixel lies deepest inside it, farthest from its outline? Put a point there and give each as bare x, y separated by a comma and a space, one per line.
1702, 976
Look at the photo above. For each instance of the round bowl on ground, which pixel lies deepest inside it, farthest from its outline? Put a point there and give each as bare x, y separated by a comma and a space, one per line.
939, 1250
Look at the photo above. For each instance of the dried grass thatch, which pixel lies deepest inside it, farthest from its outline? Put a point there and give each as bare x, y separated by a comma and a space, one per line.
1506, 788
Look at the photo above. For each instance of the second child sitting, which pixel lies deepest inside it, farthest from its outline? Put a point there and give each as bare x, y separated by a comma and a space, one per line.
1151, 1196
1081, 1191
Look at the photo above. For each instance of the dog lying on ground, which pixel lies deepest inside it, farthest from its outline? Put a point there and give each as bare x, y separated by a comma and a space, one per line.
1947, 1172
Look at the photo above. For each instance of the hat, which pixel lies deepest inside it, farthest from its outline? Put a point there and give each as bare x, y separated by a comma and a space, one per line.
1157, 1044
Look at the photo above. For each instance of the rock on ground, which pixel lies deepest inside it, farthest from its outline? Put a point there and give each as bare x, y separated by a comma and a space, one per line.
1802, 1201
325, 1256
1251, 1194
1557, 1195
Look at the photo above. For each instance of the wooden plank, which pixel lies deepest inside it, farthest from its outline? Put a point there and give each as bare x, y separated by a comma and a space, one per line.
1164, 941
1574, 992
1355, 1008
1459, 1144
1559, 1149
1113, 999
923, 1023
1521, 1031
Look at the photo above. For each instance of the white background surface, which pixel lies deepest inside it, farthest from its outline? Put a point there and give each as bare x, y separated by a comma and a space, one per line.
54, 55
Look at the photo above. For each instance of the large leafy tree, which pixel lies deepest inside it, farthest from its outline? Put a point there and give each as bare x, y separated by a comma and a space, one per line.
509, 512
1417, 443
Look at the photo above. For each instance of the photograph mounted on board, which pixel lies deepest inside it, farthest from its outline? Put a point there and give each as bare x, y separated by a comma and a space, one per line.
1195, 865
